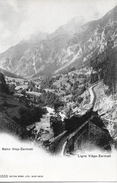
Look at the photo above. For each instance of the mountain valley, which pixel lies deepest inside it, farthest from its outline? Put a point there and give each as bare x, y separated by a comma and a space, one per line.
63, 87
72, 45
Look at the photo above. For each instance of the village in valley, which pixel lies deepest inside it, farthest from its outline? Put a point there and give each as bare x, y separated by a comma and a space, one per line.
58, 88
60, 99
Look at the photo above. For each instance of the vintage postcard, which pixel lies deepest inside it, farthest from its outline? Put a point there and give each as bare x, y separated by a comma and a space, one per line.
58, 90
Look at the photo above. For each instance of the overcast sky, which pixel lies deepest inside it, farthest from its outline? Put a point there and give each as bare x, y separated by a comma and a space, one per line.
19, 18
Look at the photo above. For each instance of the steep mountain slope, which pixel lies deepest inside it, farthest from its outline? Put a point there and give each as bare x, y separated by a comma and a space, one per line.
61, 49
9, 60
92, 39
35, 54
9, 74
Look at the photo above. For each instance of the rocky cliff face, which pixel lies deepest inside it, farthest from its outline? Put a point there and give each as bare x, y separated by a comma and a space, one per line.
10, 60
3, 85
73, 44
38, 52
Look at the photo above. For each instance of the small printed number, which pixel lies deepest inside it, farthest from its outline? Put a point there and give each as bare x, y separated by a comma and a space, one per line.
3, 176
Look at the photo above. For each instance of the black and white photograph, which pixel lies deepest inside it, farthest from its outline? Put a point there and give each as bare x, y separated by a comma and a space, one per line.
58, 90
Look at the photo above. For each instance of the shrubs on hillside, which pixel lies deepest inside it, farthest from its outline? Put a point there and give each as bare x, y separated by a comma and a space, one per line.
105, 66
25, 116
11, 88
57, 125
75, 85
47, 83
49, 99
3, 86
76, 94
32, 87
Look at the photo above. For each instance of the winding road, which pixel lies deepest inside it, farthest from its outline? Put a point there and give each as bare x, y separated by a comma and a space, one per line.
92, 95
59, 144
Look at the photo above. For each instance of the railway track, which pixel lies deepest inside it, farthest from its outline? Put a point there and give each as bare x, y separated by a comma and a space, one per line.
58, 146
